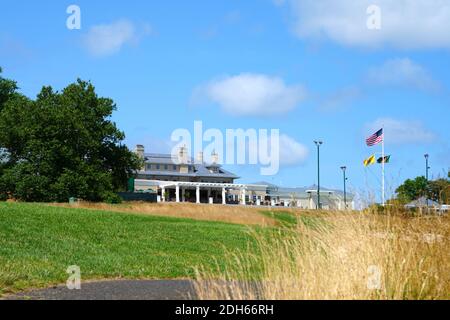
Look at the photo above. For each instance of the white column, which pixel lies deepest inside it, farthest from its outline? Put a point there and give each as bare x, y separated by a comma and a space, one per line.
183, 198
209, 196
224, 196
177, 193
243, 196
163, 194
198, 194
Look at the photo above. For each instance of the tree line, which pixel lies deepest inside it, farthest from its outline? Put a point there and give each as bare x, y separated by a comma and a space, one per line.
412, 189
61, 145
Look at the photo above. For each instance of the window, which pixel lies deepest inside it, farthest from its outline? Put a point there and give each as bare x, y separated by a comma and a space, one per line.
157, 167
166, 167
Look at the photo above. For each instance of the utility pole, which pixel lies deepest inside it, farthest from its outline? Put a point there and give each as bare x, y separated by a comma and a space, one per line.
344, 168
318, 144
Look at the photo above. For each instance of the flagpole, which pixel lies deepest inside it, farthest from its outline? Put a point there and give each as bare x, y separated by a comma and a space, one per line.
382, 170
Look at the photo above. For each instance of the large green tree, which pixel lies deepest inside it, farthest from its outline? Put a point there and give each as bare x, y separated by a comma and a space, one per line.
437, 190
62, 144
7, 89
412, 189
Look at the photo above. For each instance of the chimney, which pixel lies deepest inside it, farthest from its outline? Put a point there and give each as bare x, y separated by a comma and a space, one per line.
182, 155
215, 157
140, 150
200, 157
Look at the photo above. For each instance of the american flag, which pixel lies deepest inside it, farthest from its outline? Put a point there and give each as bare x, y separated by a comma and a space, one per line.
376, 138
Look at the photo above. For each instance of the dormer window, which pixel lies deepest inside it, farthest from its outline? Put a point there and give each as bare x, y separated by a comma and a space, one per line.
213, 169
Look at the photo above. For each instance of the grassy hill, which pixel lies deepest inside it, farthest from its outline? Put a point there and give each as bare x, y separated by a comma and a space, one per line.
320, 255
39, 242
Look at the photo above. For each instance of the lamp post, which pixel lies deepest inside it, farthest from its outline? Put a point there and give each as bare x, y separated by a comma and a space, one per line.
318, 144
427, 167
344, 168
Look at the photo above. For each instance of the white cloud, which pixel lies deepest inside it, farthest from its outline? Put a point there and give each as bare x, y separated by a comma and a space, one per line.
401, 131
409, 24
107, 39
250, 94
403, 72
291, 151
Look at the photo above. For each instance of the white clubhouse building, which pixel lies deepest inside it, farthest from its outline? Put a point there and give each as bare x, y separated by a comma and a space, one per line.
181, 179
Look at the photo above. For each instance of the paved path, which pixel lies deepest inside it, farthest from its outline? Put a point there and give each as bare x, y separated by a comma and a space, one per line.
116, 290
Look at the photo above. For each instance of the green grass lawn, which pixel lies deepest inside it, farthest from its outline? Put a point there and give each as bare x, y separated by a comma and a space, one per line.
291, 219
39, 242
285, 218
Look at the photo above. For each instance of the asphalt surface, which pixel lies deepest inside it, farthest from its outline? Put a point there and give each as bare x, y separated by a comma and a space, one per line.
116, 290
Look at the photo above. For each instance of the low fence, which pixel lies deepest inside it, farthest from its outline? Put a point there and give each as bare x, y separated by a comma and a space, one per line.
134, 196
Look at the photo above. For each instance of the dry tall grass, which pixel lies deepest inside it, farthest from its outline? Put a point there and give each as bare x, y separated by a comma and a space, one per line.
230, 214
344, 256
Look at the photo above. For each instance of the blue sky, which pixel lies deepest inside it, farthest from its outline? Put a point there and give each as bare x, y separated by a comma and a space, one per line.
311, 69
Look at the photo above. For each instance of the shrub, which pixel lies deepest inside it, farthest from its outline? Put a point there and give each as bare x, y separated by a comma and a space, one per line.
112, 198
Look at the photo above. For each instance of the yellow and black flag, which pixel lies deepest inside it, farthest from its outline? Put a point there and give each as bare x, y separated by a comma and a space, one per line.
369, 161
386, 159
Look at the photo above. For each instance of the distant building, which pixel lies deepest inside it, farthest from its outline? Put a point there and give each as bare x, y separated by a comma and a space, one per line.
422, 205
179, 178
306, 198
